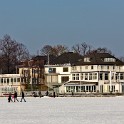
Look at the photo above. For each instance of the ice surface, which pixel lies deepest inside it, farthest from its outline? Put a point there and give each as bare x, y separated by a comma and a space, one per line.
63, 110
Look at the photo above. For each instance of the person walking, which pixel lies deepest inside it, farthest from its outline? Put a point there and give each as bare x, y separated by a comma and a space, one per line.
15, 96
23, 97
54, 94
10, 98
39, 93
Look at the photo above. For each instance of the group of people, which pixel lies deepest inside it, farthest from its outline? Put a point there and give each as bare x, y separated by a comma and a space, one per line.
15, 97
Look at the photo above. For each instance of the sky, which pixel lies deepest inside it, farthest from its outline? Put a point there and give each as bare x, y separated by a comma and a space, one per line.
36, 23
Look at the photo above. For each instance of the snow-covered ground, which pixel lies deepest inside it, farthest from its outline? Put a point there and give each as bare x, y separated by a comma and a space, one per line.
63, 110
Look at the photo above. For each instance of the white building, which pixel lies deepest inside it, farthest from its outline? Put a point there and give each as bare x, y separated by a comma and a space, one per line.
96, 72
10, 83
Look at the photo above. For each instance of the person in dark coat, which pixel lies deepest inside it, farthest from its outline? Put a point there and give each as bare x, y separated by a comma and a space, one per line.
54, 94
15, 96
23, 97
47, 93
10, 98
40, 94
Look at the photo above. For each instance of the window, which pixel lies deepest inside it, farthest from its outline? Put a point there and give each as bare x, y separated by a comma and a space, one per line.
92, 67
75, 76
94, 76
82, 76
7, 80
1, 80
107, 67
18, 79
14, 79
109, 60
52, 70
106, 76
90, 76
64, 79
121, 76
65, 69
101, 76
11, 79
86, 76
86, 59
73, 68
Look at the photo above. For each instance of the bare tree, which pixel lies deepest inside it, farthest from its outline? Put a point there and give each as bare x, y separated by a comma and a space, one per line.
55, 50
47, 49
10, 54
60, 49
82, 48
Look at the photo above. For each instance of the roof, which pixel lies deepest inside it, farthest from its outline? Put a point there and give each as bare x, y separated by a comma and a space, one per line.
98, 59
37, 61
68, 57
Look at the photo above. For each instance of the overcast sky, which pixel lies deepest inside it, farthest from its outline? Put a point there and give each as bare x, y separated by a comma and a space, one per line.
36, 23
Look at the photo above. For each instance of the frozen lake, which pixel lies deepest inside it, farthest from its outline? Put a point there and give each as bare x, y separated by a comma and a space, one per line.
63, 110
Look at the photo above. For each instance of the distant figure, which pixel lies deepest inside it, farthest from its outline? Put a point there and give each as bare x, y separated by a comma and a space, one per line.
23, 95
47, 93
15, 96
72, 93
35, 94
10, 98
54, 94
39, 93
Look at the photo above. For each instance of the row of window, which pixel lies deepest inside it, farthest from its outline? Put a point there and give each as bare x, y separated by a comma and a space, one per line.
9, 80
81, 88
94, 76
112, 89
84, 76
91, 67
87, 59
53, 70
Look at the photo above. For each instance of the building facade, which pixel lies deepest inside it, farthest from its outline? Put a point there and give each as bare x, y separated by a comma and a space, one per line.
95, 72
10, 83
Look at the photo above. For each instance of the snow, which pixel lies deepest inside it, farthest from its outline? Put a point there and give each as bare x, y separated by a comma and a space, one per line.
63, 110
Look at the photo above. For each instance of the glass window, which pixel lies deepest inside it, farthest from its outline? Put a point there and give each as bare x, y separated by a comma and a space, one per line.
11, 79
92, 67
86, 76
73, 76
65, 69
121, 76
14, 79
101, 76
1, 80
90, 76
4, 80
52, 70
82, 76
64, 79
18, 79
94, 76
86, 59
106, 76
77, 76
7, 80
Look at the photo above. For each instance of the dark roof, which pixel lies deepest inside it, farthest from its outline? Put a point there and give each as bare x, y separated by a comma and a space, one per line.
37, 61
45, 58
68, 57
98, 59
